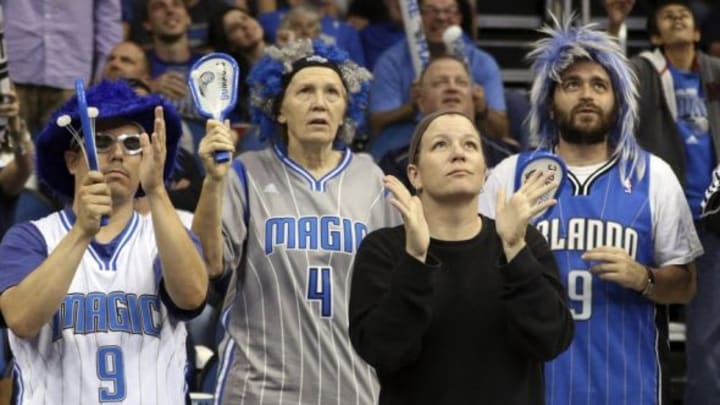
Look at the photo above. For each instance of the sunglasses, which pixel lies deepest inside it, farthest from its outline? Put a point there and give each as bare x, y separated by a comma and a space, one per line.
105, 142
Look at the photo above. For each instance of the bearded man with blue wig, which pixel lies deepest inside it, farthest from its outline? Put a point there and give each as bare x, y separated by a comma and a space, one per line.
94, 307
621, 231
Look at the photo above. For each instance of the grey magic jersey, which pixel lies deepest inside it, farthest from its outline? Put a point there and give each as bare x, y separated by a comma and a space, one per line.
285, 316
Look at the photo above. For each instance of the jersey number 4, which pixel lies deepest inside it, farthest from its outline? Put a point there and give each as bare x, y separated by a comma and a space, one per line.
111, 369
580, 294
319, 288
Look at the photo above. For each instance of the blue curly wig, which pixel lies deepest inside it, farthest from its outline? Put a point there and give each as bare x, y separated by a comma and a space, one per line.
268, 80
113, 99
564, 45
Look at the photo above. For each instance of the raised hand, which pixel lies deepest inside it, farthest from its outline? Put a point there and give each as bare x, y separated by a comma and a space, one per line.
513, 216
218, 137
92, 202
478, 95
617, 11
415, 92
617, 266
153, 155
417, 233
171, 85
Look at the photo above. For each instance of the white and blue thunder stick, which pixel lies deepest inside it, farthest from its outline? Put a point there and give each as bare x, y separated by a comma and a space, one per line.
544, 162
415, 35
88, 130
213, 83
453, 40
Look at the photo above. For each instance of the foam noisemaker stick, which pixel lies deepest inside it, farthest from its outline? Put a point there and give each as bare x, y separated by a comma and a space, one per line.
415, 35
454, 45
88, 130
544, 162
213, 83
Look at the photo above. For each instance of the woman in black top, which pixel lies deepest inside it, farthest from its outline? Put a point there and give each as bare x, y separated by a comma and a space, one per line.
454, 307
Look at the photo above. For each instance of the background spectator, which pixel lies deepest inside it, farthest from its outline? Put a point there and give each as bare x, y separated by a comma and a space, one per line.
50, 44
344, 35
127, 60
16, 159
680, 122
393, 97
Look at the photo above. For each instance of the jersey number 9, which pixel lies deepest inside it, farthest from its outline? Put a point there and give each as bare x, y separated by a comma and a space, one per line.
111, 369
580, 294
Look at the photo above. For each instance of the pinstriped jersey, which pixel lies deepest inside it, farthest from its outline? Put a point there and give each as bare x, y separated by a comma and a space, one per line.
614, 357
285, 315
112, 340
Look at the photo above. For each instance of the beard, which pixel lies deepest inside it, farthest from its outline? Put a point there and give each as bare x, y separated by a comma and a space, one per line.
579, 134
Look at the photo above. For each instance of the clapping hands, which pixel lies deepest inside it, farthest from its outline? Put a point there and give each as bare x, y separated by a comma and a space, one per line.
417, 233
513, 216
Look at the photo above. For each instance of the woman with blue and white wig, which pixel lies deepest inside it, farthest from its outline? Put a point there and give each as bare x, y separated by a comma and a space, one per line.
286, 222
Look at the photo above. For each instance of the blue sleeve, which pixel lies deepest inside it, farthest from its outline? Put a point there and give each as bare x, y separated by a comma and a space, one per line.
174, 310
387, 91
486, 73
269, 23
350, 41
23, 249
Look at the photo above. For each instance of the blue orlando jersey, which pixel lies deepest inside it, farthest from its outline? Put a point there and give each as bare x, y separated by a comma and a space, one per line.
615, 355
113, 339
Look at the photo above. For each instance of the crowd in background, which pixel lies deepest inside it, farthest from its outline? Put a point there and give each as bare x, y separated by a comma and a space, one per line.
152, 44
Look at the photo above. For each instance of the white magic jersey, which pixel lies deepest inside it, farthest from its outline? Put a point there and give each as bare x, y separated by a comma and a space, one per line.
285, 315
112, 340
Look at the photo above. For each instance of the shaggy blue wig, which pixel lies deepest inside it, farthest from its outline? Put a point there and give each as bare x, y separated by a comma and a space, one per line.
270, 76
114, 100
564, 45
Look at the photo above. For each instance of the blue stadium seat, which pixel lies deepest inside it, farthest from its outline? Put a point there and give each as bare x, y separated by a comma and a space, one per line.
518, 107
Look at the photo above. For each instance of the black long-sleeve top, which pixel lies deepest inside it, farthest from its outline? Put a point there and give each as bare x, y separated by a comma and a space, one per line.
466, 327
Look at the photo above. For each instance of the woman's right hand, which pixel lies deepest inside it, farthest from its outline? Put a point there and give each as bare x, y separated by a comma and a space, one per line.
417, 233
218, 137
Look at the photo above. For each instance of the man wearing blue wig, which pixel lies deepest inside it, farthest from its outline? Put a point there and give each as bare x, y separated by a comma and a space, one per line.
285, 222
94, 311
621, 230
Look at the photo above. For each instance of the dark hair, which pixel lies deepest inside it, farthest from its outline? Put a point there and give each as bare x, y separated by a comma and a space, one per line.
651, 23
216, 30
421, 128
144, 13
